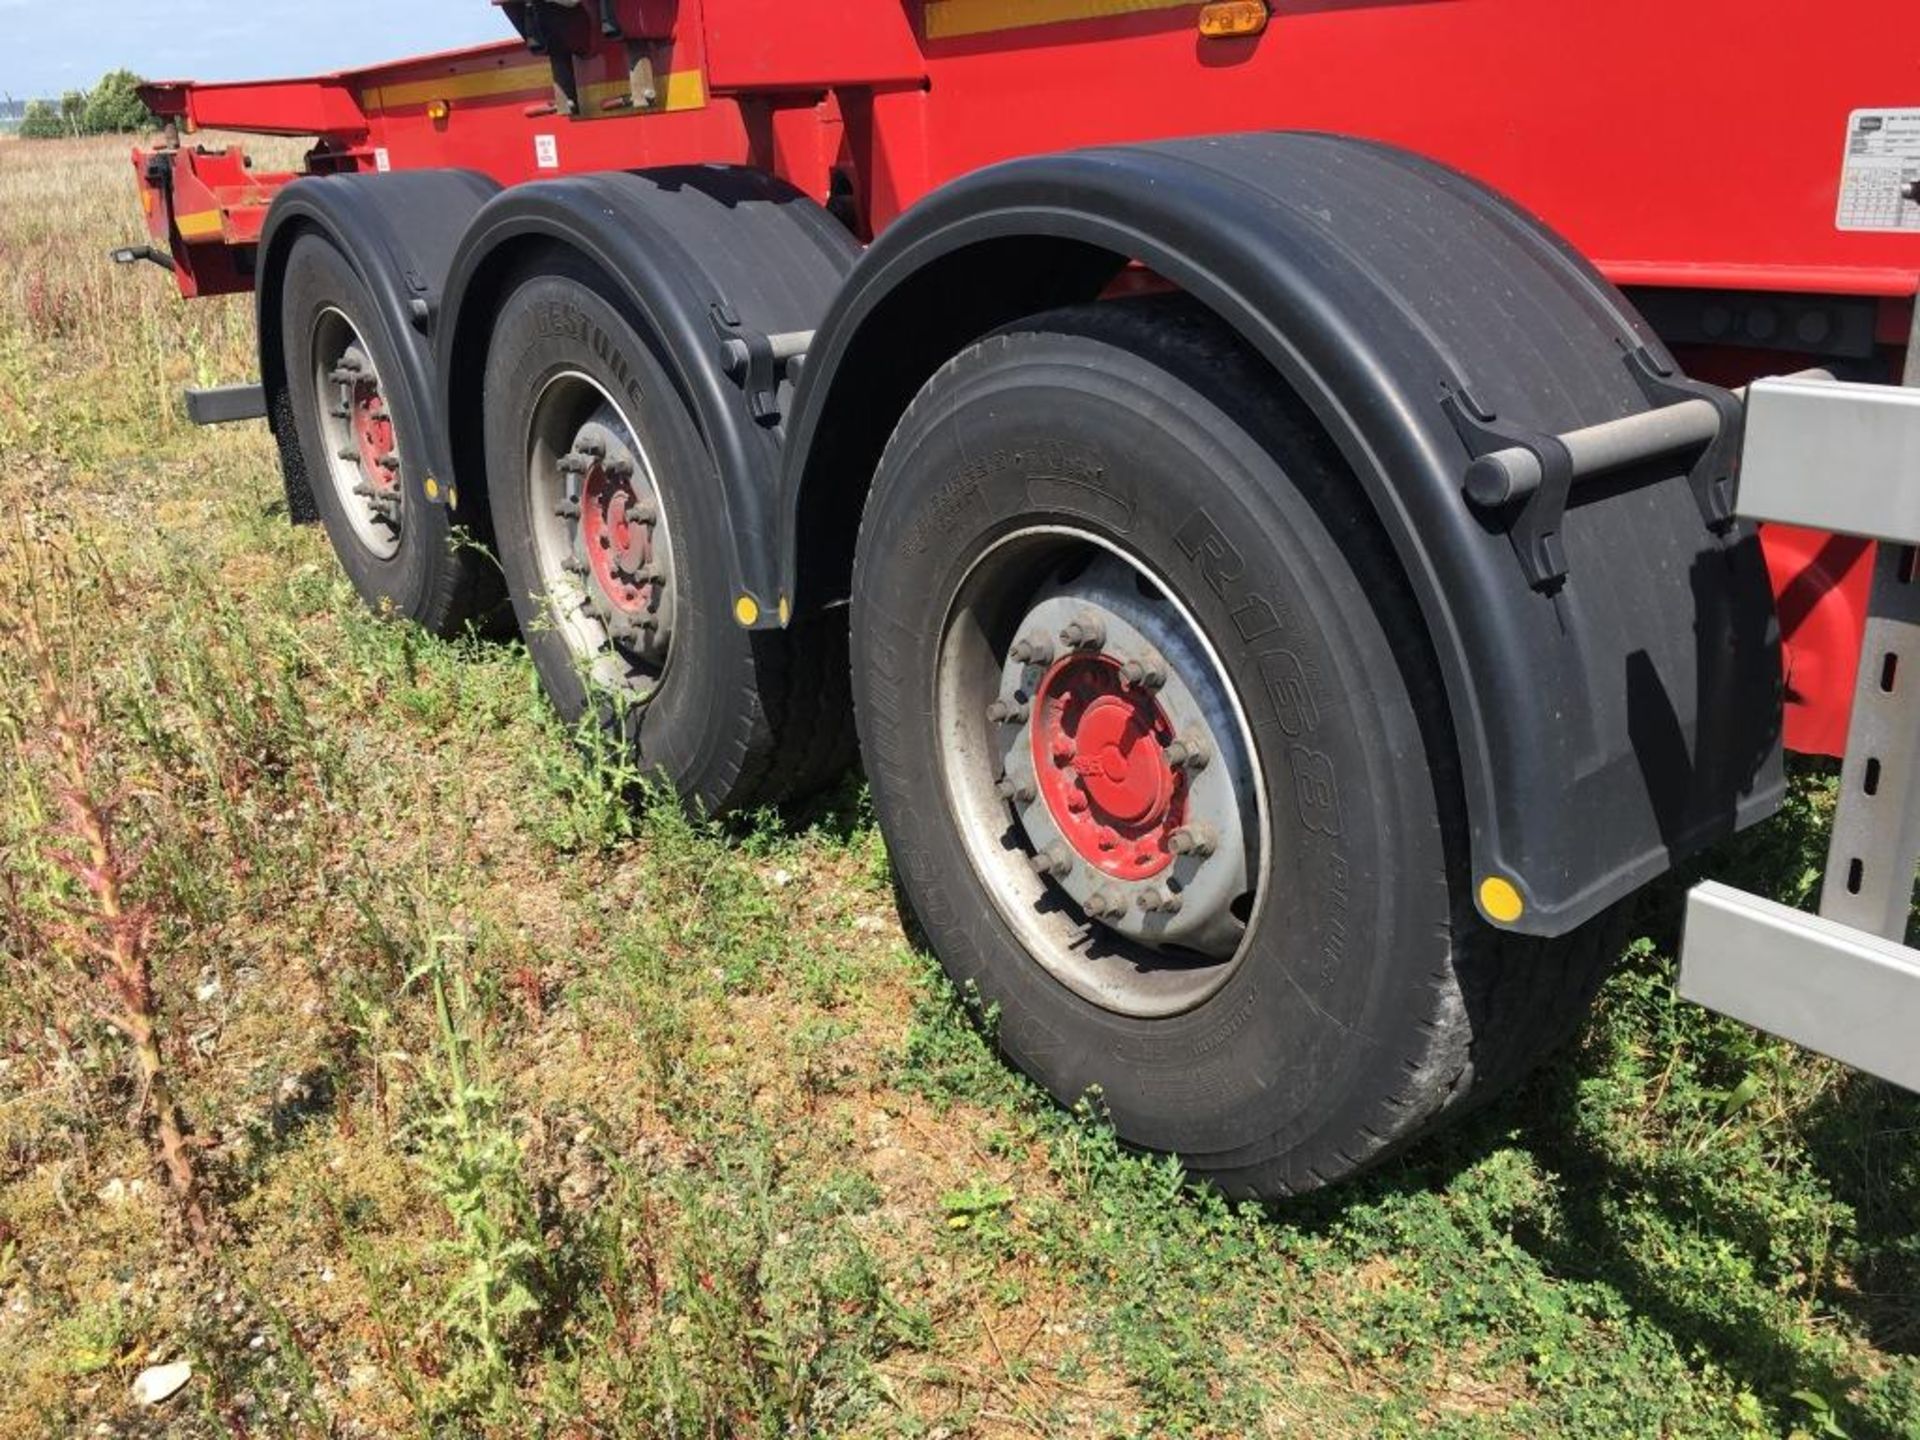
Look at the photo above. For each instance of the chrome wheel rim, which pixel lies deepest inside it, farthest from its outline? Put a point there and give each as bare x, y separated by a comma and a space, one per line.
1101, 769
602, 542
361, 451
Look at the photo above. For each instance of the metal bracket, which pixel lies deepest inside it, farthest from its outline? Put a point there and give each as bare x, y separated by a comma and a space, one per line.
756, 361
226, 404
1531, 475
1840, 982
1718, 466
1541, 507
1876, 825
1826, 986
135, 254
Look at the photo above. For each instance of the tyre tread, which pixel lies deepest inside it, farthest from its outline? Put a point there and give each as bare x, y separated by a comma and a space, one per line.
1499, 1002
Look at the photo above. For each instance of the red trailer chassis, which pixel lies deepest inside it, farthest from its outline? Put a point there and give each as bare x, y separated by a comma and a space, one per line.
684, 292
1709, 185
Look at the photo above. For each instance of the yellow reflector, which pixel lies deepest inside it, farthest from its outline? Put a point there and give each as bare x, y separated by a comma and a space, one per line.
1228, 19
786, 612
438, 110
432, 488
1500, 901
746, 610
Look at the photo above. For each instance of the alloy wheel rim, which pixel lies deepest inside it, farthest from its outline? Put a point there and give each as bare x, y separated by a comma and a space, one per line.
602, 542
362, 453
1101, 768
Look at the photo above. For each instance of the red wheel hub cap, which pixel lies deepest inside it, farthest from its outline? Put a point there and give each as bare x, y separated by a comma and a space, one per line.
373, 435
614, 522
1099, 756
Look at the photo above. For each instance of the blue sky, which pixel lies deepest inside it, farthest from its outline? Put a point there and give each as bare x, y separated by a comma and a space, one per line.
47, 46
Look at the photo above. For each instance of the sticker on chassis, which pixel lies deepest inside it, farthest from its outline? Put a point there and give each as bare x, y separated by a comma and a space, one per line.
1880, 174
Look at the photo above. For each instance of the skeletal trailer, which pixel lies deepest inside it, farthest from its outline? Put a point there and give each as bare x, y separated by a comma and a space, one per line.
1258, 476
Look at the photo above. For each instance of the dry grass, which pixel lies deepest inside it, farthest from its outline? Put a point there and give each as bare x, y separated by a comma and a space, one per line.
520, 1112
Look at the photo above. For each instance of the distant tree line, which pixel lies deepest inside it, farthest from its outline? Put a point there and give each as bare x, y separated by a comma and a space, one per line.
111, 108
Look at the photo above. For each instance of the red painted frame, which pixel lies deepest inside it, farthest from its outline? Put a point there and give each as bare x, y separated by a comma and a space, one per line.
1696, 145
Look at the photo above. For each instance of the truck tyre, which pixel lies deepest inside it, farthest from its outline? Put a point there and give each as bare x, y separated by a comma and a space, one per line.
360, 429
616, 559
1160, 750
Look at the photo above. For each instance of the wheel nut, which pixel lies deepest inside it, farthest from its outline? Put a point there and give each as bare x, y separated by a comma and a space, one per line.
1053, 861
1188, 755
1005, 712
1160, 902
1037, 651
1104, 905
1018, 791
1195, 840
1084, 633
1144, 674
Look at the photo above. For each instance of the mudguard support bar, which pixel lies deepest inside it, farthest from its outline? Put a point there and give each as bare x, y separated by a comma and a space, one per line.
1515, 473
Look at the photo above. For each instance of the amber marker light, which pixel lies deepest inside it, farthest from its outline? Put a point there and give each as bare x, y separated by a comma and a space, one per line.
438, 110
1233, 19
1500, 900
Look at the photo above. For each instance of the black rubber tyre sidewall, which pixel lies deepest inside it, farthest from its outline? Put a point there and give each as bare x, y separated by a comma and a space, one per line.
430, 579
704, 731
1270, 1083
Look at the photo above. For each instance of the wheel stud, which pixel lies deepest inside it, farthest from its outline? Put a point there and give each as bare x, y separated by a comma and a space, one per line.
1160, 902
1105, 905
1053, 861
1004, 712
1145, 674
1198, 841
348, 452
1187, 755
1036, 651
1062, 751
1018, 791
1085, 633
